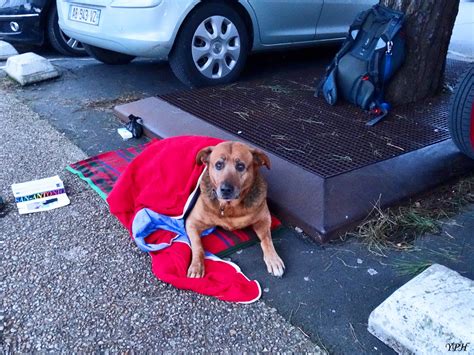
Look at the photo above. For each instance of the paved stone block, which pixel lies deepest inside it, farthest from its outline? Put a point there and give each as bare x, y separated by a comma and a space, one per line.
30, 68
428, 314
6, 50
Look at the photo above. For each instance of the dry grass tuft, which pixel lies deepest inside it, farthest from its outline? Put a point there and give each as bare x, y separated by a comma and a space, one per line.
411, 268
414, 264
397, 228
109, 104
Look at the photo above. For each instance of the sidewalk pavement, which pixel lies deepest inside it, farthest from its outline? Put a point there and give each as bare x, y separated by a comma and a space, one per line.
73, 281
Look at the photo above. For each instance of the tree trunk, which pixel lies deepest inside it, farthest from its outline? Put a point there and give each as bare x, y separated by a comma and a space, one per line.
428, 28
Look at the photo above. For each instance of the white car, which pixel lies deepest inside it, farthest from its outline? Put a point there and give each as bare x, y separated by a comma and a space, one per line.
207, 41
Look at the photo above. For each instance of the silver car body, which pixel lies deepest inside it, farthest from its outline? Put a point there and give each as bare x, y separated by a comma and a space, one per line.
148, 28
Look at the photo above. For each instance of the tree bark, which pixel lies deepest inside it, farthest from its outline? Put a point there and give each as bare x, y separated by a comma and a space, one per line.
428, 27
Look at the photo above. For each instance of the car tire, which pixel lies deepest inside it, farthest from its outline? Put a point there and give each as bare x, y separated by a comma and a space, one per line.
59, 40
461, 114
108, 57
204, 54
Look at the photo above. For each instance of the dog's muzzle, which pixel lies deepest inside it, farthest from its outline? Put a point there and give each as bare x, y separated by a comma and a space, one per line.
227, 192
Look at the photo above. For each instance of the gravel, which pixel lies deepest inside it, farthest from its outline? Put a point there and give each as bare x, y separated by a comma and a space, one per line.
71, 279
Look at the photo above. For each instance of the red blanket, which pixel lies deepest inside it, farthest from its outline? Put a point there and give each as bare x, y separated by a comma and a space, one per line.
161, 181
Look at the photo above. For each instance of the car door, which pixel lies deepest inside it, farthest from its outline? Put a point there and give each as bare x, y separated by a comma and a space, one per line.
286, 21
337, 16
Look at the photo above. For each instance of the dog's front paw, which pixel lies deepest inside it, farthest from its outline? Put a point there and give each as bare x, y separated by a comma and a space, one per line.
275, 265
196, 269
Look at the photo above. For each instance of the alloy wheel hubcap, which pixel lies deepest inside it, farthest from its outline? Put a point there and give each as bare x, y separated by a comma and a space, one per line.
215, 47
72, 43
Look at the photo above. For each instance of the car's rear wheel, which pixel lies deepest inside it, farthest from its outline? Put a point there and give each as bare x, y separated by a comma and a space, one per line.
211, 47
59, 40
461, 114
108, 57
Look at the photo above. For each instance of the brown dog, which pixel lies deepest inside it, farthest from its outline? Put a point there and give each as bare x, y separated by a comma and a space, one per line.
233, 196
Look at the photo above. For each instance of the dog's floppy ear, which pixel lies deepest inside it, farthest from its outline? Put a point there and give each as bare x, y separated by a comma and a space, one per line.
261, 158
202, 156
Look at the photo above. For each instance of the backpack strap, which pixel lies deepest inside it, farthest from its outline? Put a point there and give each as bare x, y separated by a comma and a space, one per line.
358, 22
394, 26
379, 109
329, 88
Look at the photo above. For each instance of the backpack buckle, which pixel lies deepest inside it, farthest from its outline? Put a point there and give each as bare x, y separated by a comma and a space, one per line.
389, 47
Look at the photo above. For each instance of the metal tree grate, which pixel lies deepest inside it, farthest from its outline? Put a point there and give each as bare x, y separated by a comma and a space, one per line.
280, 114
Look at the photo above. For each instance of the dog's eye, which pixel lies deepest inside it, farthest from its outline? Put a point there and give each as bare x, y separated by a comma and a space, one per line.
219, 165
240, 167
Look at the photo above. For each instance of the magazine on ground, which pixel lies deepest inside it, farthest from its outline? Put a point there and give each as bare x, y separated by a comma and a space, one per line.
40, 195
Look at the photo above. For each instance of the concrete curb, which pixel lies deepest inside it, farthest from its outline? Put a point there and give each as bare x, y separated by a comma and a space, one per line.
29, 68
430, 314
6, 50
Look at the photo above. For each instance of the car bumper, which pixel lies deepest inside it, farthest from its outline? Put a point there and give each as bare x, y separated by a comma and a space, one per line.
137, 31
29, 29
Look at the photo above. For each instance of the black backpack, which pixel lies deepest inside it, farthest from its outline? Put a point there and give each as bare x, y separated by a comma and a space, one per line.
371, 53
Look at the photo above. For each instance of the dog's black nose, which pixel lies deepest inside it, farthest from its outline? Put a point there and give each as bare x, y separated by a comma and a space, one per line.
227, 190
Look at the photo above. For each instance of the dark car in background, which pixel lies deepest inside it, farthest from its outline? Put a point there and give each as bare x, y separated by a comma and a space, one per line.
35, 22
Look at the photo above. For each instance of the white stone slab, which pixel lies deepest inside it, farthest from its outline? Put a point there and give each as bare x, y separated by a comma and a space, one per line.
434, 309
6, 50
30, 68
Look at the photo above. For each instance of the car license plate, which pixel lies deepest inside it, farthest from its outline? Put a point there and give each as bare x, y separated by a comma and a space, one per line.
84, 15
